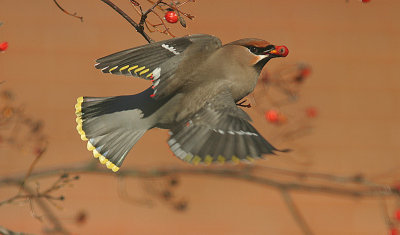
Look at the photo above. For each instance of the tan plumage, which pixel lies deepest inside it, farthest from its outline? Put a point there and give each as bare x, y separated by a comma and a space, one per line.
196, 83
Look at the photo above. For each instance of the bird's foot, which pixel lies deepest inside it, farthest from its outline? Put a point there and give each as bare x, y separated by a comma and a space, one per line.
241, 104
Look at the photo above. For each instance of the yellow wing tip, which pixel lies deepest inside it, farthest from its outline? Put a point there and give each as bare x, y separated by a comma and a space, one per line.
250, 159
208, 160
221, 159
113, 68
123, 68
140, 69
144, 71
196, 160
235, 160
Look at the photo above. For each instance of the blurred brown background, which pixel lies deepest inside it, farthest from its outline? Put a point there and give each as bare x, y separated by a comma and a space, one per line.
355, 54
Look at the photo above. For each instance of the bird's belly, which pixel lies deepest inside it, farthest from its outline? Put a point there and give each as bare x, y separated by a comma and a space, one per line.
242, 90
165, 116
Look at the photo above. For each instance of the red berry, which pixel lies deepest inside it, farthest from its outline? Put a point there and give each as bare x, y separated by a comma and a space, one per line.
365, 1
394, 231
306, 72
171, 17
397, 214
311, 112
282, 50
272, 116
3, 46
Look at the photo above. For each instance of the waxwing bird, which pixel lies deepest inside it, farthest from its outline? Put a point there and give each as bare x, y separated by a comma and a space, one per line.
196, 82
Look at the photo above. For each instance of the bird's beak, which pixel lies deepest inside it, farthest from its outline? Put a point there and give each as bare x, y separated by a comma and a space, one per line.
279, 51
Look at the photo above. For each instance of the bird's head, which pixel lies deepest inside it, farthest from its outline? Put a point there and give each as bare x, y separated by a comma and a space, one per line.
260, 51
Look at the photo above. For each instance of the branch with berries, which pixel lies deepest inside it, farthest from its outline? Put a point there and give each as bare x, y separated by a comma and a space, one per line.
165, 13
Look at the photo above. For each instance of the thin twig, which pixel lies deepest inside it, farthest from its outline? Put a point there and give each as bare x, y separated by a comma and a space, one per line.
144, 15
48, 213
32, 166
295, 212
129, 19
166, 31
66, 12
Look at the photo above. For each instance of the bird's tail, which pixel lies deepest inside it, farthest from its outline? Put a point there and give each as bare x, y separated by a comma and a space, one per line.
112, 125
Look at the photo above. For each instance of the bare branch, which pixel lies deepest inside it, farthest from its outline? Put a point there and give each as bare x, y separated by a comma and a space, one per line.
295, 212
248, 174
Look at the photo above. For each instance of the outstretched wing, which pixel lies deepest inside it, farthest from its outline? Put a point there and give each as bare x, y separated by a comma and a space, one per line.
152, 61
218, 132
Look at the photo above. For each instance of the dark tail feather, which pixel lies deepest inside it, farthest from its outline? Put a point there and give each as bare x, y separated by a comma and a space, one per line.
113, 125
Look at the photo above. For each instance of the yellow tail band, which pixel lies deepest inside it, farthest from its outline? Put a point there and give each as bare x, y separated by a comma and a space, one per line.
90, 147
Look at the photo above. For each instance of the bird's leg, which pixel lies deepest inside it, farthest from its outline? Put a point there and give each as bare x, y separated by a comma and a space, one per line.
241, 104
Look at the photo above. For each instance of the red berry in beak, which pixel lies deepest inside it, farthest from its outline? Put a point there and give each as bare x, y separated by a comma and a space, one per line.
282, 51
171, 17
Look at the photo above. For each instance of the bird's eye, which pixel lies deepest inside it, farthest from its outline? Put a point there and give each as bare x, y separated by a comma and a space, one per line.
253, 49
282, 50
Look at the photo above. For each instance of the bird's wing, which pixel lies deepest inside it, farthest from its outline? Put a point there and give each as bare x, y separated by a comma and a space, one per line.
152, 61
218, 132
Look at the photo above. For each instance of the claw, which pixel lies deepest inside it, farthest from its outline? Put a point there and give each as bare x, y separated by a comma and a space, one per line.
241, 104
